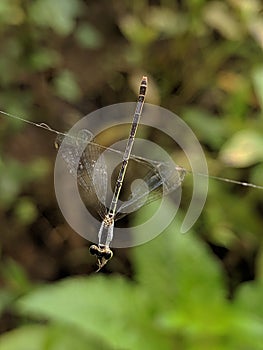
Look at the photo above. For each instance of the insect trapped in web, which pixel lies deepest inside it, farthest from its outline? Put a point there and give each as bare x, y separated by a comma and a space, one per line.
159, 179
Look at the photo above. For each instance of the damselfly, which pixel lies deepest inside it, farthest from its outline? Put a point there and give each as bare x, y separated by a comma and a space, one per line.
160, 178
91, 173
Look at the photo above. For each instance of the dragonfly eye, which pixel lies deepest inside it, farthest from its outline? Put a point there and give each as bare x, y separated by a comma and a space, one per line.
108, 254
93, 249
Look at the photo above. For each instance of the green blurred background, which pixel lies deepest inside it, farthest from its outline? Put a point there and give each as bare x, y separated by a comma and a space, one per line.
59, 61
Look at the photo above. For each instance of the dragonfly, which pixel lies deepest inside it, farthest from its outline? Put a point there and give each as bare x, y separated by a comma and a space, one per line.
91, 174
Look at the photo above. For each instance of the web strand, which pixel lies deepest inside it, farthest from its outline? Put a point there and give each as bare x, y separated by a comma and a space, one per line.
224, 179
219, 178
38, 125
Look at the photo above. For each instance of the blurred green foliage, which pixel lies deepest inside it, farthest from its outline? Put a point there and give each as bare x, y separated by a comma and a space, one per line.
177, 300
63, 59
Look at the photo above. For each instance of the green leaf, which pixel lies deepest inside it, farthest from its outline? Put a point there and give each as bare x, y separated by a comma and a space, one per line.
256, 174
59, 15
25, 338
25, 210
96, 305
13, 175
11, 13
53, 337
66, 86
136, 32
207, 128
166, 21
186, 285
5, 299
183, 262
245, 148
11, 180
106, 308
39, 168
44, 58
15, 276
179, 299
249, 298
89, 37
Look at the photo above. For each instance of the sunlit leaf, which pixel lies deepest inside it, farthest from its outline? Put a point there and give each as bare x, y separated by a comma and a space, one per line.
249, 299
52, 337
248, 8
231, 82
256, 29
245, 148
26, 338
217, 15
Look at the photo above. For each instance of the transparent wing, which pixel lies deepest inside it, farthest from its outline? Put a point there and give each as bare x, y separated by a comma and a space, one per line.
86, 163
160, 180
95, 170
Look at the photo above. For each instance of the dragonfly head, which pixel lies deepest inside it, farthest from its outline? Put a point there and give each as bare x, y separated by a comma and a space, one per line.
103, 254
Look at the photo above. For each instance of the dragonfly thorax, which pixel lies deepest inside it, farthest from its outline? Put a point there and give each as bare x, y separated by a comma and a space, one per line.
108, 220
